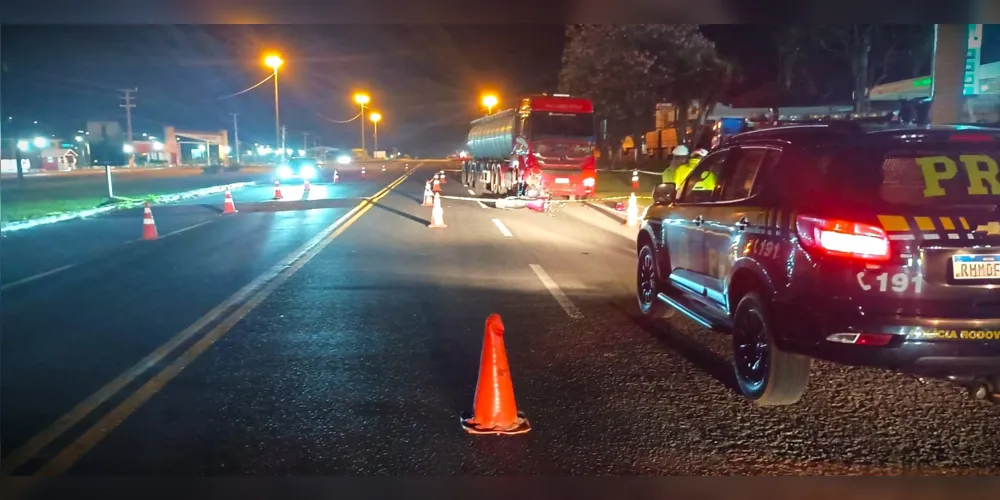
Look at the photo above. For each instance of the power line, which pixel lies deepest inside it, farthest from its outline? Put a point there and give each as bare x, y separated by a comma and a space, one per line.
248, 89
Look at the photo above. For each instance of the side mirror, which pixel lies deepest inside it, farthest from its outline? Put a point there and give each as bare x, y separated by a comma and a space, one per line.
664, 194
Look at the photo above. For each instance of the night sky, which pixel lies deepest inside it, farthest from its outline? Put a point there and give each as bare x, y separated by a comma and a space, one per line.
425, 80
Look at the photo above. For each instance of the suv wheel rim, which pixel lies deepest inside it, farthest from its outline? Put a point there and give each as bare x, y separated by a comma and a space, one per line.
752, 353
647, 280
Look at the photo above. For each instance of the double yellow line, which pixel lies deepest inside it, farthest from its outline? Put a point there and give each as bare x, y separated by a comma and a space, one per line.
244, 300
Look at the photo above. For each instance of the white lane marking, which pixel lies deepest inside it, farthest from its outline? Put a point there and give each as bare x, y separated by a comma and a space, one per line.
473, 193
503, 229
38, 276
179, 231
556, 292
482, 204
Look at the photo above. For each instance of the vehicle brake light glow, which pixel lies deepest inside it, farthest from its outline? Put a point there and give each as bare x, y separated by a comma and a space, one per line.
874, 339
588, 182
843, 238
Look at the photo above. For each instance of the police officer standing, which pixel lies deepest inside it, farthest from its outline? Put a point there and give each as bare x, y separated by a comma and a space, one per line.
684, 170
678, 157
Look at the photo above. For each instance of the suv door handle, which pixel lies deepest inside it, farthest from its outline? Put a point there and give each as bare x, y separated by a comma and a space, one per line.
699, 220
742, 223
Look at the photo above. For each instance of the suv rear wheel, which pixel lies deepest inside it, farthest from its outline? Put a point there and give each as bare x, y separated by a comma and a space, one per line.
648, 286
765, 374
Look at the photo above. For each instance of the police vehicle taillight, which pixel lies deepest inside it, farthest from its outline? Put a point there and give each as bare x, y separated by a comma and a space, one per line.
843, 238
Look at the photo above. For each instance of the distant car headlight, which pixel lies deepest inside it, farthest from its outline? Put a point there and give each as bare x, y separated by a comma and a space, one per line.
284, 172
308, 172
343, 159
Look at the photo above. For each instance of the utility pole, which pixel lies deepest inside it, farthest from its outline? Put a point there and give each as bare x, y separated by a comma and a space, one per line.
236, 134
283, 133
305, 140
128, 119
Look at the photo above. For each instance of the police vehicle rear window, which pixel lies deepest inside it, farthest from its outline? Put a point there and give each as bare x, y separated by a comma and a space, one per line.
949, 174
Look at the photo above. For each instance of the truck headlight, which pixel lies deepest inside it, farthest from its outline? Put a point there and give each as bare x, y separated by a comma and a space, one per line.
308, 172
343, 159
284, 172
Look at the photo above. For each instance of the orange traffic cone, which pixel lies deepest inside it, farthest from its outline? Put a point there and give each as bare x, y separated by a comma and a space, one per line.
437, 214
383, 168
443, 178
362, 172
437, 184
306, 186
428, 195
148, 224
277, 190
635, 179
632, 212
336, 176
494, 410
230, 207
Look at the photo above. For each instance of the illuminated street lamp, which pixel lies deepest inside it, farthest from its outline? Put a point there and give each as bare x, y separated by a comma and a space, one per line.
274, 62
40, 142
128, 148
23, 145
363, 99
375, 117
79, 138
489, 101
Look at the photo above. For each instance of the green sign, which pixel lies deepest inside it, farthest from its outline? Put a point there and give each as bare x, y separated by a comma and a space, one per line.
923, 82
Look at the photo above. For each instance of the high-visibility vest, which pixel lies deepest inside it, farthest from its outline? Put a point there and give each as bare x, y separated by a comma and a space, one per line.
684, 170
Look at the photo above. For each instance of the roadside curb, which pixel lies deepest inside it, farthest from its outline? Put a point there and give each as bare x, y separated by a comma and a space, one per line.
167, 198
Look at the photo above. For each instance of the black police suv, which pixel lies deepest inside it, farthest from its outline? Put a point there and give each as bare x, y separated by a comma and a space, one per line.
864, 246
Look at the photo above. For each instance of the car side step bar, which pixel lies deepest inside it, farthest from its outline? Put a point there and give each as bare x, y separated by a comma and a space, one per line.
687, 311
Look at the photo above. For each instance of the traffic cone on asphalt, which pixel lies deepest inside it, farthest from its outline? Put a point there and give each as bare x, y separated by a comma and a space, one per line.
635, 179
277, 190
336, 176
383, 168
306, 187
428, 195
494, 410
230, 207
437, 213
632, 212
148, 224
443, 178
437, 184
362, 172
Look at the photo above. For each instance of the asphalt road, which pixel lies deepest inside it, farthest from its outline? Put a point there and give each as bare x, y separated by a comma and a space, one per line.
358, 357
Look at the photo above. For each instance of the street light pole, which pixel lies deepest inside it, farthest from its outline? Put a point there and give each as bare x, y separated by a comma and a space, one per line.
277, 115
362, 99
375, 119
274, 62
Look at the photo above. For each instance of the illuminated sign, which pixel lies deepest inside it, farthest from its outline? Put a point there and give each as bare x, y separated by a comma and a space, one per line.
970, 82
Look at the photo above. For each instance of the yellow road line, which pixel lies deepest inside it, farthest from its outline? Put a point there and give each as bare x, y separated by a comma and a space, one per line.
277, 273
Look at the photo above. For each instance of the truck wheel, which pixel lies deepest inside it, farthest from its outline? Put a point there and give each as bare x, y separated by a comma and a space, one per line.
766, 375
648, 285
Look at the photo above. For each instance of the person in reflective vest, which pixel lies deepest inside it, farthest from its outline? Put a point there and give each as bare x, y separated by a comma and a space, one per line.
684, 170
678, 157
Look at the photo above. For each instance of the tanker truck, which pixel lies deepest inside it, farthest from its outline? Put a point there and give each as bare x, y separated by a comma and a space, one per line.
543, 148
